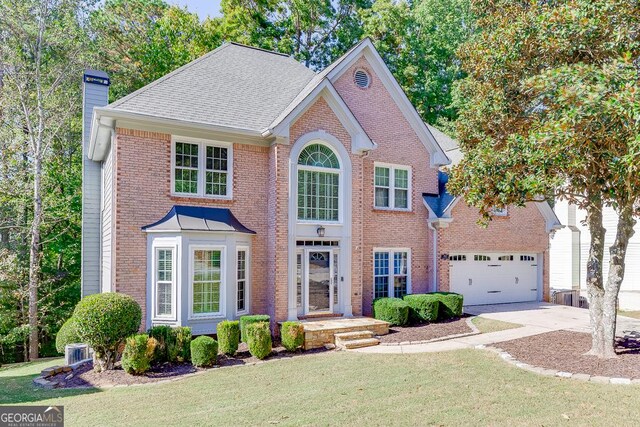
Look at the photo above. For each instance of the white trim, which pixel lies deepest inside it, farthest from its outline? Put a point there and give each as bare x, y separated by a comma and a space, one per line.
550, 217
366, 48
391, 275
392, 187
223, 281
202, 145
247, 280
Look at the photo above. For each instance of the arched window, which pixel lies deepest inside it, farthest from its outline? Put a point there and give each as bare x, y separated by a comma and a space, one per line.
318, 183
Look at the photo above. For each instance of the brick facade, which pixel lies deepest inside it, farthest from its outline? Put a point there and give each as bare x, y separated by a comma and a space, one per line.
142, 188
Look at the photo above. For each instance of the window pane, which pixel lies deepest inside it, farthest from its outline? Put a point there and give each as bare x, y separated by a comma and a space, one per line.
186, 168
186, 180
242, 279
382, 197
335, 278
164, 282
381, 274
164, 299
216, 183
382, 176
399, 286
206, 281
400, 263
401, 201
318, 195
401, 178
320, 156
299, 280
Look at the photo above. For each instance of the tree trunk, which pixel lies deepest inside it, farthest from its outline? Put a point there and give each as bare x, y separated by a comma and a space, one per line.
595, 286
617, 252
34, 258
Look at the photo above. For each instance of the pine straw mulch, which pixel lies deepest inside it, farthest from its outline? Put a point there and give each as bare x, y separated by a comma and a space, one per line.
426, 332
85, 376
565, 351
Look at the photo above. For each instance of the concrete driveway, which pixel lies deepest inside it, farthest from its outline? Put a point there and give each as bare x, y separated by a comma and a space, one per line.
547, 316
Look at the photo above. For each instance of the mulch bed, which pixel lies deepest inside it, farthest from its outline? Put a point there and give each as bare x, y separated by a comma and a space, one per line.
565, 351
85, 376
426, 332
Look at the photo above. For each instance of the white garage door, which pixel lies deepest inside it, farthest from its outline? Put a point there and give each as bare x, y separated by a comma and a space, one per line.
492, 278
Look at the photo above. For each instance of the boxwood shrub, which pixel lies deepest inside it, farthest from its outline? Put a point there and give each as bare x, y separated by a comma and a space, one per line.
204, 351
104, 321
138, 353
422, 307
392, 310
165, 336
258, 339
229, 336
450, 304
253, 318
180, 348
292, 335
67, 334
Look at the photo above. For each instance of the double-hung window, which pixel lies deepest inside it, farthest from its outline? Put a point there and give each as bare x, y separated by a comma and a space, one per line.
392, 187
164, 282
201, 168
207, 282
391, 273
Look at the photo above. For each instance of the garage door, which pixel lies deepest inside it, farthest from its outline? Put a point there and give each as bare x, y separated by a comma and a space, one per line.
492, 278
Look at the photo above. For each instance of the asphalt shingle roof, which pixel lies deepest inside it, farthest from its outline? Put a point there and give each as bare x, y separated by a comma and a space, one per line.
234, 86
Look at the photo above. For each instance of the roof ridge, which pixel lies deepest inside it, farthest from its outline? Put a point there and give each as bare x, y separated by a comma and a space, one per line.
260, 49
154, 83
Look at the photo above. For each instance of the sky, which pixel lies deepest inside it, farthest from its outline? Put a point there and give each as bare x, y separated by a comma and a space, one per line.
203, 8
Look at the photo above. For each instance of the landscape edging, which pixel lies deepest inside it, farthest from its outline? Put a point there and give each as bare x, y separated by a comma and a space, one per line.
474, 331
557, 373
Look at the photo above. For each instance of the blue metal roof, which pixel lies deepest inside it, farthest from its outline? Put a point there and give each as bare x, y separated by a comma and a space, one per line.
439, 203
196, 218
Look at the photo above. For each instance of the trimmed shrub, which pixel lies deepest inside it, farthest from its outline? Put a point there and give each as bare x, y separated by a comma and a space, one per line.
259, 339
422, 307
104, 321
138, 353
204, 351
292, 335
450, 304
68, 334
165, 336
253, 318
182, 347
229, 336
392, 310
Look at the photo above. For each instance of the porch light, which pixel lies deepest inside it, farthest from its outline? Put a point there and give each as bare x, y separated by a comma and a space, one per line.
320, 231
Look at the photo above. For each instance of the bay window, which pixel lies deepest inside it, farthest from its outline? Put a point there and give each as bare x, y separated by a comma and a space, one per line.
206, 282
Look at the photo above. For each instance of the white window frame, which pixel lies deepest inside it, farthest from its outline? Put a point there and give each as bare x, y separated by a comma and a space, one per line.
392, 186
247, 280
223, 281
159, 245
341, 184
202, 149
391, 275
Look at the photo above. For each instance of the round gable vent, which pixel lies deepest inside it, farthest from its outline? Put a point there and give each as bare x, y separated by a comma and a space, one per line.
362, 79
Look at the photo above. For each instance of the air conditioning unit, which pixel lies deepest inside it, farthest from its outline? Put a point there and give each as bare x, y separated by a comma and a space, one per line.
74, 353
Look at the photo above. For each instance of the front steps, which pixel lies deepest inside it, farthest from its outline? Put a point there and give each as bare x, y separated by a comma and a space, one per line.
357, 339
321, 333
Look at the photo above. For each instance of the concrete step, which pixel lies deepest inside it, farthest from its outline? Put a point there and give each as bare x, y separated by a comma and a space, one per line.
364, 342
355, 335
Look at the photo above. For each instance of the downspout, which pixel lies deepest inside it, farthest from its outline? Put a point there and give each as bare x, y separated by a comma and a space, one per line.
435, 256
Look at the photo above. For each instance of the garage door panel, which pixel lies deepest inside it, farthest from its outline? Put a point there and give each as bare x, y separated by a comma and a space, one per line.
490, 278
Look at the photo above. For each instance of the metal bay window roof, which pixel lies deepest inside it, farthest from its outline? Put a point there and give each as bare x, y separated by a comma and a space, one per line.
195, 218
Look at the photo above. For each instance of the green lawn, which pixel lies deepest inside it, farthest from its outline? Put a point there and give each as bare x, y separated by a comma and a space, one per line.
634, 314
485, 325
469, 387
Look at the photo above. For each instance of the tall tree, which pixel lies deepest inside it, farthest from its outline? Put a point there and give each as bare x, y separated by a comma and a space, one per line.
551, 109
41, 51
139, 41
418, 41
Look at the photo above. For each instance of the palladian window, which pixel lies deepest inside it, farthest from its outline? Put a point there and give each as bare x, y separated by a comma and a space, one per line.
318, 184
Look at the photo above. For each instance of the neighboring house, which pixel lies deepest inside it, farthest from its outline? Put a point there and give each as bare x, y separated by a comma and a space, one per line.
244, 182
570, 252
